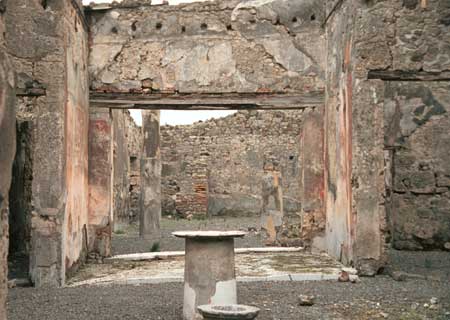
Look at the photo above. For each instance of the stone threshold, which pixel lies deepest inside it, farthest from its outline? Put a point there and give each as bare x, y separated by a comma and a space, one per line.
149, 256
295, 277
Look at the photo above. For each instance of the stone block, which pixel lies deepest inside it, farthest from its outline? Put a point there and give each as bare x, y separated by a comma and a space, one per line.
422, 182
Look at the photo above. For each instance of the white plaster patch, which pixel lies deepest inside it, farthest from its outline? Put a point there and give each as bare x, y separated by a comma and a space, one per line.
226, 293
189, 303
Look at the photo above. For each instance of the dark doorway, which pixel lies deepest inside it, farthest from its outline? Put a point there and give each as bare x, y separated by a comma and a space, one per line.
20, 205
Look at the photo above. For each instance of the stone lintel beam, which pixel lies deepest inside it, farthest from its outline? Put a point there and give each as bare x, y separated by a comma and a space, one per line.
207, 101
150, 201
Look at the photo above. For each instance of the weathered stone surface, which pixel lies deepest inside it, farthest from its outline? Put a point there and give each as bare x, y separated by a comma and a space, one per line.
312, 177
150, 178
54, 61
100, 175
338, 143
256, 47
7, 151
226, 157
135, 143
272, 191
354, 160
209, 273
121, 169
387, 36
417, 130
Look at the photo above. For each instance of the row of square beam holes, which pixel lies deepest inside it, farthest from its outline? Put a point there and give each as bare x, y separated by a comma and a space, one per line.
203, 26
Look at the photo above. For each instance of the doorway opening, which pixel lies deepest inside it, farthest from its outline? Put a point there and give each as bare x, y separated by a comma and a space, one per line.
20, 206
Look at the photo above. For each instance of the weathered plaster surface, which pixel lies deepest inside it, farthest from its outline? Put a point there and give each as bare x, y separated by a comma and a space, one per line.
100, 181
401, 36
338, 137
76, 141
417, 138
150, 177
7, 151
121, 169
54, 57
209, 269
257, 47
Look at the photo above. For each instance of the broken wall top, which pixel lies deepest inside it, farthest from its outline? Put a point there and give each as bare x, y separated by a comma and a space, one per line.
231, 46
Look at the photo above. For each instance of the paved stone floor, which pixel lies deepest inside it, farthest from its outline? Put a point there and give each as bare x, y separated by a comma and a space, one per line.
271, 266
129, 241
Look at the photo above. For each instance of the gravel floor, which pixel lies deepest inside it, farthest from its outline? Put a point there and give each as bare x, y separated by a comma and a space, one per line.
129, 241
373, 298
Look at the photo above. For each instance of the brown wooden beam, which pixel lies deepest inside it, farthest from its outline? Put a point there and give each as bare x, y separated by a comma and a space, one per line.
399, 75
206, 101
30, 92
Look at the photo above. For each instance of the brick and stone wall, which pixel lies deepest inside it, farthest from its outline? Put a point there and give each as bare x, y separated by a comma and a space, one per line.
216, 166
7, 151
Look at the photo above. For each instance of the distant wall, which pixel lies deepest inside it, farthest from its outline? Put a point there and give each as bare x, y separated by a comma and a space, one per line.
227, 155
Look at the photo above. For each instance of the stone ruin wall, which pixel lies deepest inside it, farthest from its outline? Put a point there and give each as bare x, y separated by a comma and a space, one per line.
381, 49
7, 150
417, 143
52, 125
407, 40
216, 167
215, 47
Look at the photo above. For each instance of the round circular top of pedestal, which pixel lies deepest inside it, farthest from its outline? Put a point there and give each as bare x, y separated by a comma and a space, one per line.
231, 311
209, 234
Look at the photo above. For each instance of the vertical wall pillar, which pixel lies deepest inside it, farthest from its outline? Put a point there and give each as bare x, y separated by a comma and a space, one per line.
7, 150
59, 128
150, 201
312, 182
121, 167
100, 181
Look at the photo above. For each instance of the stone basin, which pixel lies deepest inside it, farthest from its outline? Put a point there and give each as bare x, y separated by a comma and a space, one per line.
228, 312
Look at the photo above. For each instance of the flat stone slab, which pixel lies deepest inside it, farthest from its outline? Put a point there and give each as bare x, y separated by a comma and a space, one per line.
149, 256
209, 234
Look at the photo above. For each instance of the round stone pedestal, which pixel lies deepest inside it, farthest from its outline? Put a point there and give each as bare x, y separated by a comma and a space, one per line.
209, 274
228, 312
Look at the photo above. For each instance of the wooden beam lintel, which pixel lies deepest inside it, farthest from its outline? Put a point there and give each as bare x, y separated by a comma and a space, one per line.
206, 101
399, 75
